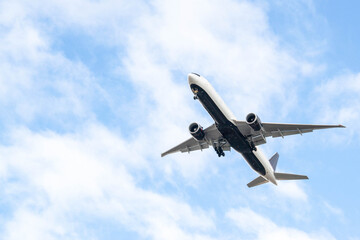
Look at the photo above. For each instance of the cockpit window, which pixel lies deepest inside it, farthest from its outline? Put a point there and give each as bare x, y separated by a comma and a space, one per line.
196, 74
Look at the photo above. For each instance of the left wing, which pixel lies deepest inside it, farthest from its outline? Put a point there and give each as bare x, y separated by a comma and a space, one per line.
278, 130
212, 138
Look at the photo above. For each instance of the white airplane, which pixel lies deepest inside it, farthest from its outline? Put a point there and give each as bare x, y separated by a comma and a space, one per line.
243, 136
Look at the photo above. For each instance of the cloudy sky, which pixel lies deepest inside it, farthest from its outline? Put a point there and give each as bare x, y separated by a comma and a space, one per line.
91, 92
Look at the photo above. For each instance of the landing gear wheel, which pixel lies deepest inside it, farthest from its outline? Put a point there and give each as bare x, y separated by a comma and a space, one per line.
195, 97
219, 151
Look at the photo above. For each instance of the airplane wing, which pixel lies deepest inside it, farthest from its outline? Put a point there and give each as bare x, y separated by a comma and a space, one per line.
281, 129
212, 138
278, 130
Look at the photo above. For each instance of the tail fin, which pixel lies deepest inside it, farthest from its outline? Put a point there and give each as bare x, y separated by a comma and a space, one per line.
283, 176
289, 176
274, 160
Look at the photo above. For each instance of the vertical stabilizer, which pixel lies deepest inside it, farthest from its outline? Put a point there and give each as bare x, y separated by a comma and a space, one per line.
274, 160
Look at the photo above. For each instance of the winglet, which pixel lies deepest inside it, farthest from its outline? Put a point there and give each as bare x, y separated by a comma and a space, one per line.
165, 153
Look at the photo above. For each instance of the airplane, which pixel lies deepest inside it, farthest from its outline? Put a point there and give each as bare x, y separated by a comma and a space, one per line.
244, 136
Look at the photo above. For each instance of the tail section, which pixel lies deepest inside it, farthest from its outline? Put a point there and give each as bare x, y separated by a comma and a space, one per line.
278, 176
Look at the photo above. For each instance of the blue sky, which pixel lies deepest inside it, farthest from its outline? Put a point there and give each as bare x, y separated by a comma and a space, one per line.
91, 92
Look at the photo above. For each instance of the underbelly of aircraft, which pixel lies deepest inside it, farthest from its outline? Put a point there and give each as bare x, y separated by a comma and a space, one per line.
239, 143
229, 131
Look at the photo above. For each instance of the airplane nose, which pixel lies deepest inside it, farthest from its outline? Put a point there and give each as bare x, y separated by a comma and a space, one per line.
192, 77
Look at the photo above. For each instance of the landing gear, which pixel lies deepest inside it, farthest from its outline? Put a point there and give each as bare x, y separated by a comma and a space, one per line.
195, 97
219, 151
252, 145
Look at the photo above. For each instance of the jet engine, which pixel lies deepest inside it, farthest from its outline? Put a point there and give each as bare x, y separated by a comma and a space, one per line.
197, 131
254, 121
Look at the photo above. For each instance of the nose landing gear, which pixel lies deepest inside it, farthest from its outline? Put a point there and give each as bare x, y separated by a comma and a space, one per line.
252, 145
195, 91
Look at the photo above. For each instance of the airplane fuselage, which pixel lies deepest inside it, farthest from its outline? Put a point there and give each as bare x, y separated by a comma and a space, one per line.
224, 121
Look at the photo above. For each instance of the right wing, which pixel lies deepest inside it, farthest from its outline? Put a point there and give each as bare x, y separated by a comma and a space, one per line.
278, 130
283, 129
212, 138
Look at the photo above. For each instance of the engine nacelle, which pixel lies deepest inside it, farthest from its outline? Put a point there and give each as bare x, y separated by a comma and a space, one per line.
197, 131
254, 121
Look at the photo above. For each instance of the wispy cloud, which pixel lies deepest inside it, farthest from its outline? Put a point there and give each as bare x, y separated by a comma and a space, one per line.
338, 102
56, 179
245, 55
332, 210
260, 227
292, 190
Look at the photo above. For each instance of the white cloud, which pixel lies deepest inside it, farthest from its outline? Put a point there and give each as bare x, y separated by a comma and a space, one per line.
38, 83
232, 45
38, 225
261, 227
332, 210
64, 178
292, 190
82, 14
338, 101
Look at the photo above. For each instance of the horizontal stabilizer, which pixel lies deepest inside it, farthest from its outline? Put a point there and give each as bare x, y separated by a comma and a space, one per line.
289, 176
257, 181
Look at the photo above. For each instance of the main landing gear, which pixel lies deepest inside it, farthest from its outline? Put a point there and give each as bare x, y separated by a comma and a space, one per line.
219, 151
195, 97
